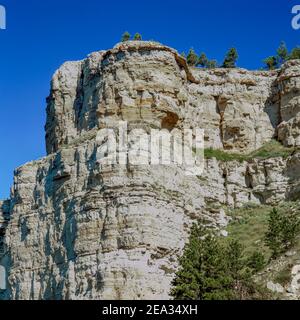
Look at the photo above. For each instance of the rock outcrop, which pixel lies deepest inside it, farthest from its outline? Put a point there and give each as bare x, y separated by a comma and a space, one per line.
77, 229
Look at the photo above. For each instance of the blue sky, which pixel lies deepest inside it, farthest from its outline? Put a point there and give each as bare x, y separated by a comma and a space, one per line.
41, 35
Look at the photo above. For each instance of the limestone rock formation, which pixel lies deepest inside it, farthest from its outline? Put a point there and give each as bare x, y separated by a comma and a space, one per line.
289, 86
74, 228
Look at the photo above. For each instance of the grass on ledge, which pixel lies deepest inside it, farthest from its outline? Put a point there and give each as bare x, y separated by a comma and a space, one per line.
272, 149
249, 226
224, 156
250, 223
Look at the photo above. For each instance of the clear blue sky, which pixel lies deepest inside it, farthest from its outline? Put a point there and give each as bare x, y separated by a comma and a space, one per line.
42, 34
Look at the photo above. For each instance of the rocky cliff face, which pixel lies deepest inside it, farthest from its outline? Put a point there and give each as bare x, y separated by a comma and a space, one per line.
77, 229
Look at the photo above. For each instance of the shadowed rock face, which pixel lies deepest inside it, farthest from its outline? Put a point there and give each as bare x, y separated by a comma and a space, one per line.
77, 229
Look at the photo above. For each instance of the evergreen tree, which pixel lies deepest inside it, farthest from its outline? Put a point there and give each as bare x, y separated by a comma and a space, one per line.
202, 61
281, 57
273, 235
295, 54
192, 57
283, 228
202, 274
282, 53
189, 278
256, 261
183, 54
137, 37
235, 258
211, 270
230, 59
126, 36
271, 63
212, 64
290, 227
216, 282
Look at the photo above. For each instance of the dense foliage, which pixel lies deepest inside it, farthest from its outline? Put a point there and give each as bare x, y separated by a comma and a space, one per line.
282, 55
199, 61
213, 270
283, 228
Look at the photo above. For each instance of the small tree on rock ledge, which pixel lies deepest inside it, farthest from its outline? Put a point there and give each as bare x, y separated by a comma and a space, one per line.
192, 58
137, 37
271, 63
126, 36
230, 59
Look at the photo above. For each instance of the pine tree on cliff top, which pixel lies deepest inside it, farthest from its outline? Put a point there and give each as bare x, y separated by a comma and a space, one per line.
137, 37
192, 58
126, 36
230, 58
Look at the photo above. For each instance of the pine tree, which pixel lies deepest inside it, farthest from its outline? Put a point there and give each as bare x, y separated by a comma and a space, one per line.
202, 273
290, 228
241, 282
126, 36
192, 57
256, 261
212, 64
235, 258
217, 281
282, 53
230, 59
274, 233
202, 61
137, 37
283, 228
271, 63
295, 54
211, 270
190, 275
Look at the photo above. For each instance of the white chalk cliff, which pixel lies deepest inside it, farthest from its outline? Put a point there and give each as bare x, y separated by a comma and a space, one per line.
74, 229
